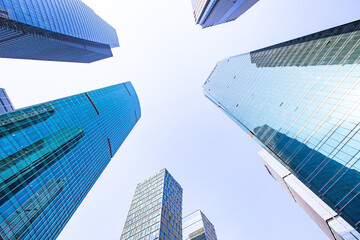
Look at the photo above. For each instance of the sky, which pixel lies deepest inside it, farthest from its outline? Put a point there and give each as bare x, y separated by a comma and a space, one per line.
168, 58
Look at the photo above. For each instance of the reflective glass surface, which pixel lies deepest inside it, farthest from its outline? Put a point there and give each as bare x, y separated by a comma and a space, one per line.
199, 7
56, 30
156, 210
213, 12
196, 226
5, 102
52, 154
300, 100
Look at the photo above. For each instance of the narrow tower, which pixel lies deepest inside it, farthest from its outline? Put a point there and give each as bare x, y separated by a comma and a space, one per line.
208, 13
156, 209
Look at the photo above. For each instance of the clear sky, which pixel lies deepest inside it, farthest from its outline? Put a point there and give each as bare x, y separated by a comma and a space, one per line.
168, 58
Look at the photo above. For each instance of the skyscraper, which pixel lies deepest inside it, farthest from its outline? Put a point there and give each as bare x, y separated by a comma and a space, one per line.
51, 155
5, 102
61, 30
300, 101
156, 210
208, 13
196, 226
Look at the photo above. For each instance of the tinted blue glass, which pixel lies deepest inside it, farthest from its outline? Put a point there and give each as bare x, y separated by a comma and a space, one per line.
5, 103
300, 99
52, 154
54, 30
213, 12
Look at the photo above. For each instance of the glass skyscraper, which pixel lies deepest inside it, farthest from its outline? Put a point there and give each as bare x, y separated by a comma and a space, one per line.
51, 155
5, 102
196, 226
156, 210
208, 13
54, 30
301, 101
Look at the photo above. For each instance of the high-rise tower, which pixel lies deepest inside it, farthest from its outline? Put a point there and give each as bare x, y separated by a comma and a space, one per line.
5, 102
196, 226
156, 210
208, 13
300, 100
51, 155
61, 30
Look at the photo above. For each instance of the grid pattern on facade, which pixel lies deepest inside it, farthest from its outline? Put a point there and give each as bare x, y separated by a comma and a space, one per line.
54, 31
300, 100
156, 210
199, 7
5, 102
217, 12
52, 154
196, 226
213, 12
73, 18
240, 10
209, 228
49, 47
304, 51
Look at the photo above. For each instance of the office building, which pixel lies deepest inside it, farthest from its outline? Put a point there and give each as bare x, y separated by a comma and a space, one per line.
208, 13
51, 155
62, 30
5, 102
196, 226
300, 101
156, 210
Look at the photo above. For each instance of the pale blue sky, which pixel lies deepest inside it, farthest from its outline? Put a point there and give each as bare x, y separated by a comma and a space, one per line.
168, 58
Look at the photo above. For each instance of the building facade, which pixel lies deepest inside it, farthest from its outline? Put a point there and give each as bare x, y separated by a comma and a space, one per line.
156, 210
300, 101
5, 102
51, 155
61, 30
196, 226
208, 13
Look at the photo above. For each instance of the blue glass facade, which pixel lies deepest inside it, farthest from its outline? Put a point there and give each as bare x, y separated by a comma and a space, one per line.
156, 210
197, 226
51, 155
300, 101
5, 102
208, 13
60, 30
